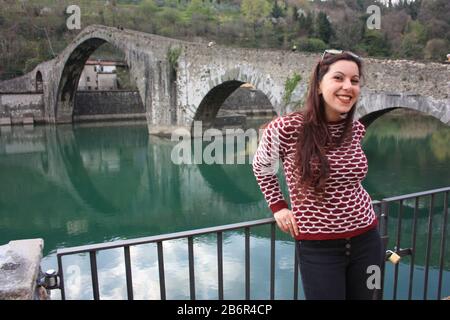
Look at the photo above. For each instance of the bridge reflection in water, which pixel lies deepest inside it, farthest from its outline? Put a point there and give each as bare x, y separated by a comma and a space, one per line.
92, 184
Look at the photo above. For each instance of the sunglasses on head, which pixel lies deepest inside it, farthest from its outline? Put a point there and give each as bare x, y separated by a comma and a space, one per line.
334, 52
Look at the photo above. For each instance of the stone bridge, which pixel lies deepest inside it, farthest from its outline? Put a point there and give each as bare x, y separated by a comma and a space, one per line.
180, 82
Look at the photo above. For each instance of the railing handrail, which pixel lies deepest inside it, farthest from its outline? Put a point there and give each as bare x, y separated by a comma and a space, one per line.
416, 194
164, 237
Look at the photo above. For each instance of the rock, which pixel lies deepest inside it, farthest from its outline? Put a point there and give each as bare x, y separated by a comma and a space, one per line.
19, 268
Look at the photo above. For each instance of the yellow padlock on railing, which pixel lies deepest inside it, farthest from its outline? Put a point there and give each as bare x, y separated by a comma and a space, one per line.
393, 257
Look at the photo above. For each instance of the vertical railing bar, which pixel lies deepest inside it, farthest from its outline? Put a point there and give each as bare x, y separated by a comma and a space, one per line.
428, 248
397, 246
272, 261
162, 281
220, 264
94, 275
129, 278
191, 268
247, 263
442, 249
295, 270
379, 214
413, 247
61, 277
385, 238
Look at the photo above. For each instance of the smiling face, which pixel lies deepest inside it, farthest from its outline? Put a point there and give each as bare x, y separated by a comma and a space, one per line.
340, 88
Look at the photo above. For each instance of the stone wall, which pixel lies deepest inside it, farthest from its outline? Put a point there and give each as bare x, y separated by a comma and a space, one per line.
17, 107
20, 84
102, 105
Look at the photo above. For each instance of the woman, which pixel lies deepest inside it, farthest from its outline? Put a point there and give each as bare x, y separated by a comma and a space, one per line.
332, 215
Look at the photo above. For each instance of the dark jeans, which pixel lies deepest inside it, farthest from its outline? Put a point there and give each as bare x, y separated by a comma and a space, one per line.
338, 269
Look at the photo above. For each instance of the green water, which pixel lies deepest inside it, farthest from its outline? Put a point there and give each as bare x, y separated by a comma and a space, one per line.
82, 184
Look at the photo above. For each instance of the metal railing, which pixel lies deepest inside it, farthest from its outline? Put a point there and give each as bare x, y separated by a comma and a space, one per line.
386, 210
382, 208
126, 244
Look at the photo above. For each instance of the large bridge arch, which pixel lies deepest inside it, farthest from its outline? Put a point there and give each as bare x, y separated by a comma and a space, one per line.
221, 86
70, 75
374, 105
371, 117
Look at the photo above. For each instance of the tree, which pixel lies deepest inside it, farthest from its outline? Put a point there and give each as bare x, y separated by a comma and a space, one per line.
413, 41
418, 29
435, 16
414, 8
436, 49
375, 44
411, 47
348, 34
312, 45
148, 7
277, 12
255, 10
323, 27
306, 24
437, 29
295, 15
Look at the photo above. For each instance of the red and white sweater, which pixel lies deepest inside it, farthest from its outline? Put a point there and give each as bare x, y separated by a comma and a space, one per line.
345, 210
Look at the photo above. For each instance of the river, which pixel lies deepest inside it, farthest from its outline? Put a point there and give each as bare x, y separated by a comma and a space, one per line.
90, 183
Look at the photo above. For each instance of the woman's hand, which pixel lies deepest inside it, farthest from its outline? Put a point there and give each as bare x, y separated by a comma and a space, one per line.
286, 221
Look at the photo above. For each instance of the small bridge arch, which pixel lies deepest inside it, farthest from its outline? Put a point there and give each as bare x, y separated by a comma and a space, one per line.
39, 84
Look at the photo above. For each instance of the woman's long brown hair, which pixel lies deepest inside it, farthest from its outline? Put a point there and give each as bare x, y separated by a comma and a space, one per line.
312, 167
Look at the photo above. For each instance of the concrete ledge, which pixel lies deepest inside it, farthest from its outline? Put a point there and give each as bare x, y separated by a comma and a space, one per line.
5, 121
19, 268
166, 131
28, 120
109, 117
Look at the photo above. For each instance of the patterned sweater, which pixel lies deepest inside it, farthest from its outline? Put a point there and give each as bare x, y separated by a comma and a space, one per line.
345, 209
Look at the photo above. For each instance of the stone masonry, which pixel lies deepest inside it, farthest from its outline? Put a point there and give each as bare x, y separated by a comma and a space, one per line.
194, 83
19, 269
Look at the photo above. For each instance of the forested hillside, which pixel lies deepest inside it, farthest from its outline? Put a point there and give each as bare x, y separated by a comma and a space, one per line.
32, 31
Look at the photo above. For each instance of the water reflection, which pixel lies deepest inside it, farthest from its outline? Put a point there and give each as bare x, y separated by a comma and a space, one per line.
406, 154
74, 185
91, 184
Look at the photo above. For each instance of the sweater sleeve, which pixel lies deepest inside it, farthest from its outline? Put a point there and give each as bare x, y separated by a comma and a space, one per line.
361, 130
265, 165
